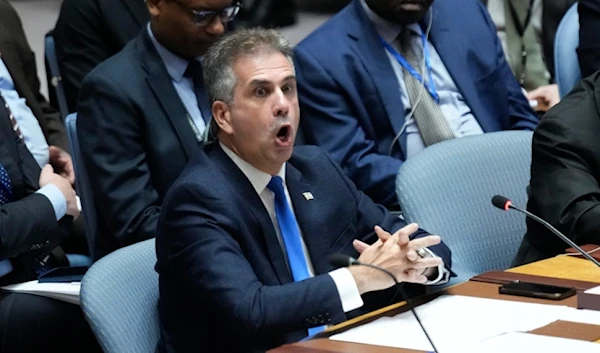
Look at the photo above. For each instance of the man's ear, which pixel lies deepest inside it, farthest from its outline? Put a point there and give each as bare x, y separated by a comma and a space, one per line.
154, 7
222, 116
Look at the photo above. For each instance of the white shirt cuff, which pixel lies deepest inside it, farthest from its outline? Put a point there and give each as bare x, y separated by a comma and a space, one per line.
347, 289
57, 199
443, 273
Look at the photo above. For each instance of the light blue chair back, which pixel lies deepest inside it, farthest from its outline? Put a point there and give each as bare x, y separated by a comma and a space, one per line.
566, 64
447, 189
119, 298
83, 186
53, 74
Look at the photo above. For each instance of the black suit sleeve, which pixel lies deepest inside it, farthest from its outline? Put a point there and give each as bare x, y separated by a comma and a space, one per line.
113, 149
564, 170
30, 220
26, 222
81, 39
589, 42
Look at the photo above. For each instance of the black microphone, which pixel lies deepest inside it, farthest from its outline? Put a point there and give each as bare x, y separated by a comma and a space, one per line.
341, 260
505, 204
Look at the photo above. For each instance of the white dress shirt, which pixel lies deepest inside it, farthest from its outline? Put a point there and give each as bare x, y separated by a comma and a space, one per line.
343, 279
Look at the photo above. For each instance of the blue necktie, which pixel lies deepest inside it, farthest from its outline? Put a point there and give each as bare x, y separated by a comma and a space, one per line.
5, 197
290, 233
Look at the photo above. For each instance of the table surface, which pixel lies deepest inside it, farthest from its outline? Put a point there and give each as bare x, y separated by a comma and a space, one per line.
563, 267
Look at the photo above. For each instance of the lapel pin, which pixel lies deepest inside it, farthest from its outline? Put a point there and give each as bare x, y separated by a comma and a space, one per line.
308, 196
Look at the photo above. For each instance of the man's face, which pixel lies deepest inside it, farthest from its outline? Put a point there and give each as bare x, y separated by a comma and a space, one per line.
402, 12
174, 24
263, 118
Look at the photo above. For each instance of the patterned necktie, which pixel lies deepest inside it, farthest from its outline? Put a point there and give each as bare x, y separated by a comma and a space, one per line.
5, 197
290, 233
5, 186
194, 71
432, 123
13, 121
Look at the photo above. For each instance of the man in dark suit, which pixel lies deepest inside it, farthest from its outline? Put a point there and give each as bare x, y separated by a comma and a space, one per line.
19, 60
88, 32
246, 231
364, 102
565, 174
142, 114
588, 51
36, 211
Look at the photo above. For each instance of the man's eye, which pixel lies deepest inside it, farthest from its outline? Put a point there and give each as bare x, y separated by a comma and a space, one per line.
260, 92
287, 89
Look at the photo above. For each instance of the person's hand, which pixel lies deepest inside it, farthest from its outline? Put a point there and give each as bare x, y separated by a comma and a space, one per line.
62, 163
395, 253
49, 177
547, 96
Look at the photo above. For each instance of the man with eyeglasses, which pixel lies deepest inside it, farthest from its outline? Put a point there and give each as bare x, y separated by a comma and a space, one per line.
142, 116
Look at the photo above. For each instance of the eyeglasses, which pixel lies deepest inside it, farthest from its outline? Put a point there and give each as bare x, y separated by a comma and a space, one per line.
206, 17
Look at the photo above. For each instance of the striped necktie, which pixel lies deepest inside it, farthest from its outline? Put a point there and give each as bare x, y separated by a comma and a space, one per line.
432, 123
13, 120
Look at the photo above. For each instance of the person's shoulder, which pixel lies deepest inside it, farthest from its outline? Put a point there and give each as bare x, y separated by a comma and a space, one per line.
336, 26
121, 67
311, 158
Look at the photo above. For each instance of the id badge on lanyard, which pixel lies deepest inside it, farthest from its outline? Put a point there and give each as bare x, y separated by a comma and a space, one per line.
402, 61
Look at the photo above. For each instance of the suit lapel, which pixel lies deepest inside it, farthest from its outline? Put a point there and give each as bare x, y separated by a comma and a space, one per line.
308, 211
445, 43
161, 84
367, 46
258, 210
138, 10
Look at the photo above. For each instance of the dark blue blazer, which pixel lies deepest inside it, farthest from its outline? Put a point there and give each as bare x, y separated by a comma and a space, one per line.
135, 141
224, 282
349, 93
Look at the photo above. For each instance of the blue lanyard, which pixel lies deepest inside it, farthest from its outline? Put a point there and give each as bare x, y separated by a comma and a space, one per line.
429, 85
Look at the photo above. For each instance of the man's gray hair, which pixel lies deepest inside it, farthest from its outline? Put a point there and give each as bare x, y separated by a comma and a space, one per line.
217, 64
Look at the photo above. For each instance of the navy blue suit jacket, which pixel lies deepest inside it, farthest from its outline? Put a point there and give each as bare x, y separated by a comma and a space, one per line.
135, 141
224, 282
349, 94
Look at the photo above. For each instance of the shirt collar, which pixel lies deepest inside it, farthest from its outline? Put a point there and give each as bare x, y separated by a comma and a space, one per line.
175, 64
258, 178
387, 30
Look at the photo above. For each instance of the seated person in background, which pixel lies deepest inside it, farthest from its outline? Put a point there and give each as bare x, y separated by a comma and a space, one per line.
565, 175
88, 32
362, 95
36, 211
40, 124
142, 115
246, 231
589, 41
529, 27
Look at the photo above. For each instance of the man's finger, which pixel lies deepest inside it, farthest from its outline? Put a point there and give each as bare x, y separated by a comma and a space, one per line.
424, 242
414, 276
405, 232
382, 234
412, 256
427, 262
360, 246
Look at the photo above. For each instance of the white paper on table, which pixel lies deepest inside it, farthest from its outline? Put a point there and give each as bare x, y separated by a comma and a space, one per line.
453, 321
517, 342
67, 292
583, 316
595, 290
